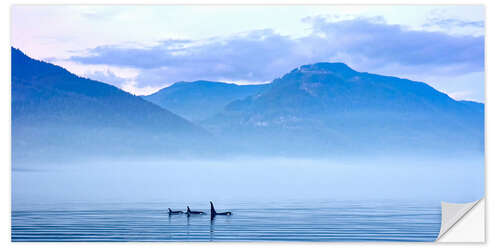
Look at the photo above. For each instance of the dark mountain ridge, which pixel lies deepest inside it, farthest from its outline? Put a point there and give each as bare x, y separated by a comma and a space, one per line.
332, 108
58, 114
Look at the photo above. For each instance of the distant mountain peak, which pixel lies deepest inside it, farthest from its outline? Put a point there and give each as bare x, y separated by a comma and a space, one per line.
201, 82
201, 99
29, 67
326, 67
16, 51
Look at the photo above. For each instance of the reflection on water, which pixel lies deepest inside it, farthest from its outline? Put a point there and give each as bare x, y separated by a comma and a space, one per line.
334, 221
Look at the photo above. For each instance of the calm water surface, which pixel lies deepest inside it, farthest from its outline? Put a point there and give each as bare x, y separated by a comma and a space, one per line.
327, 221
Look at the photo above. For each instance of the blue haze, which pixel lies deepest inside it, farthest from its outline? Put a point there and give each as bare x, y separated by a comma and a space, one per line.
321, 134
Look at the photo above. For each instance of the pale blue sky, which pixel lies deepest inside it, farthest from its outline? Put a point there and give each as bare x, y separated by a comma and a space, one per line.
143, 48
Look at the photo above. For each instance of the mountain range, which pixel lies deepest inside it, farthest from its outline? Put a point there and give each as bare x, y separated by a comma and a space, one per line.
329, 107
60, 115
325, 109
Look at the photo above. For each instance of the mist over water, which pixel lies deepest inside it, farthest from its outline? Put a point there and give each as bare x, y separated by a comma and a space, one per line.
244, 179
272, 199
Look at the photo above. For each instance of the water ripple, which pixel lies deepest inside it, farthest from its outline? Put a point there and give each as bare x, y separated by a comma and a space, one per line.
359, 222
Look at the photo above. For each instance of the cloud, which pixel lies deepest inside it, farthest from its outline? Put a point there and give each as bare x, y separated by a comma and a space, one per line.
452, 23
127, 83
107, 76
367, 44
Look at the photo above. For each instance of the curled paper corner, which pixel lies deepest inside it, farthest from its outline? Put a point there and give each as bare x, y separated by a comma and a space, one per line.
452, 213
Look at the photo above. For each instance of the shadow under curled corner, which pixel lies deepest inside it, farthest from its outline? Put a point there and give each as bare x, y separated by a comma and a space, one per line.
462, 222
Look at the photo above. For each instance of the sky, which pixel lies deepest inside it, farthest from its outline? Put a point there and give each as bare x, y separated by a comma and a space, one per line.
142, 49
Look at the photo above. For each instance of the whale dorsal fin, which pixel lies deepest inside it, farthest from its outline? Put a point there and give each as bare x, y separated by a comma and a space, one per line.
212, 207
212, 211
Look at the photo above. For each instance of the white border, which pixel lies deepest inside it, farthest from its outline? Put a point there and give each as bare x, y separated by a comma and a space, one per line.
492, 142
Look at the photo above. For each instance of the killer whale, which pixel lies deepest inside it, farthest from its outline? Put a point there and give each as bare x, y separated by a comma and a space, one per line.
189, 212
213, 213
170, 212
